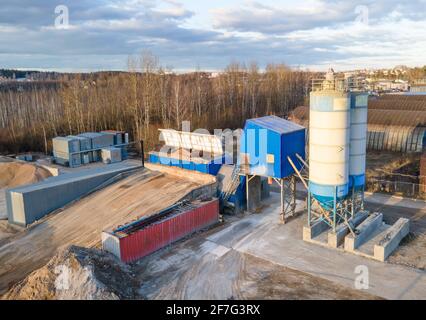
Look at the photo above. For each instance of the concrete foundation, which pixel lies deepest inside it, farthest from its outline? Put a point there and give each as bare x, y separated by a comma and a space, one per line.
309, 233
391, 239
254, 193
265, 189
29, 203
364, 231
335, 239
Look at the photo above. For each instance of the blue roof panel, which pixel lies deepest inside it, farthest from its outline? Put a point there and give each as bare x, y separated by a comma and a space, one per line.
277, 124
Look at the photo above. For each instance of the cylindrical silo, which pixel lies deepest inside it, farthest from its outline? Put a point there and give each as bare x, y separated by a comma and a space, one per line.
329, 134
358, 140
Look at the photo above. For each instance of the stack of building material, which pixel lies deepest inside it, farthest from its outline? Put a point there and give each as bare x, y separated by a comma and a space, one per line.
87, 147
85, 144
98, 141
64, 151
111, 155
25, 157
120, 137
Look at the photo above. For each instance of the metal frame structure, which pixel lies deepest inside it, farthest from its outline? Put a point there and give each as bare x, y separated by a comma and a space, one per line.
288, 195
336, 211
287, 186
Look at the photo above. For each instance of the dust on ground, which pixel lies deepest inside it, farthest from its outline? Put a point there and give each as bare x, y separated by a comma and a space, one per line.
381, 164
81, 224
7, 230
78, 274
192, 270
201, 269
411, 251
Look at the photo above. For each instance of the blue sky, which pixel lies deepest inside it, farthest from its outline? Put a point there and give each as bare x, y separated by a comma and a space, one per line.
208, 35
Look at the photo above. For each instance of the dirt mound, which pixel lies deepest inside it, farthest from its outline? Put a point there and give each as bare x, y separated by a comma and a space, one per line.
77, 273
13, 174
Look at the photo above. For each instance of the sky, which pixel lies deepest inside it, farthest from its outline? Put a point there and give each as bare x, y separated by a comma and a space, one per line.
92, 35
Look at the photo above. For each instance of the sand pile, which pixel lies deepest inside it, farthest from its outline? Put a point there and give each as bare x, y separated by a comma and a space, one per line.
13, 174
78, 273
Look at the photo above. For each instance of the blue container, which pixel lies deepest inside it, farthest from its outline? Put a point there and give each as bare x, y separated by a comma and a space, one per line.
267, 142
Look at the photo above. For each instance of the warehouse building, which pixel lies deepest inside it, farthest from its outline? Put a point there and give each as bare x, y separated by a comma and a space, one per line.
395, 123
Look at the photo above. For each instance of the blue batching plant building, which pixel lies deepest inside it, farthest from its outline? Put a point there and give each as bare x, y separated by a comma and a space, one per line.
272, 147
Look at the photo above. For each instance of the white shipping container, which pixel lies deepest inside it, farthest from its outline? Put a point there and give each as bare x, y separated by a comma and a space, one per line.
111, 155
65, 145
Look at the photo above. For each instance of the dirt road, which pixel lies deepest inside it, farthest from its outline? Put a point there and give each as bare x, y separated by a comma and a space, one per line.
202, 269
81, 224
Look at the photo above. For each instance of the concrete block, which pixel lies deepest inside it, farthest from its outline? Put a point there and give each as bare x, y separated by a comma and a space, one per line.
391, 239
255, 193
265, 189
364, 230
335, 239
315, 230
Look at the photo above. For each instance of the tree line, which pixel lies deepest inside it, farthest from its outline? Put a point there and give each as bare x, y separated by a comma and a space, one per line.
146, 98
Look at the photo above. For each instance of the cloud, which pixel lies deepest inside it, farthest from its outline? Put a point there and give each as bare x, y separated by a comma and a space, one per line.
312, 33
253, 16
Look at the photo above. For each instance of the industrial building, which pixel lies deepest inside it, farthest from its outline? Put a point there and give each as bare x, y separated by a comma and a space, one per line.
191, 185
29, 203
337, 158
272, 148
205, 154
395, 123
107, 146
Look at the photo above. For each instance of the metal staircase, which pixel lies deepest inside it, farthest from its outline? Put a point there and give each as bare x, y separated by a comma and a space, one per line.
231, 187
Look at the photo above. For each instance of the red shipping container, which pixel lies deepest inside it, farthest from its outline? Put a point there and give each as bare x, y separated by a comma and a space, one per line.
163, 232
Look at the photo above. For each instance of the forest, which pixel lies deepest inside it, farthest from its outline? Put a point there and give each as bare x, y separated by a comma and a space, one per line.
143, 99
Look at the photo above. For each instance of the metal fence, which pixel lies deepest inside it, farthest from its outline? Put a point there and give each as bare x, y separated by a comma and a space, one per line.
405, 189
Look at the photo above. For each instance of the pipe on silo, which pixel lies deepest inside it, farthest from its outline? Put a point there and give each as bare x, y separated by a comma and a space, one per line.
358, 139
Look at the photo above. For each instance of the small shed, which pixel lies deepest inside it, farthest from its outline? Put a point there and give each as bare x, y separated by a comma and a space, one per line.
267, 142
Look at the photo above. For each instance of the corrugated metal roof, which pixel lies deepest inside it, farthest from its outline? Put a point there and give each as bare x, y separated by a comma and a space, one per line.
277, 124
387, 117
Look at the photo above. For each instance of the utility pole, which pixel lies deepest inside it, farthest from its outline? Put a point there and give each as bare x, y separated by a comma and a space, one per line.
142, 154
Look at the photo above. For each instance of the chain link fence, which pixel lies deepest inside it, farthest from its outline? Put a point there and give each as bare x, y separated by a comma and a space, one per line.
400, 188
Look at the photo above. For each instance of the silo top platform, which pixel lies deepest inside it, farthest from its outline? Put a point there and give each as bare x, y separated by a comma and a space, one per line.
276, 124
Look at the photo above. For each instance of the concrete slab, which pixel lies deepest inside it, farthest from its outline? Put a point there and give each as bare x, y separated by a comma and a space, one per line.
335, 239
364, 232
262, 236
314, 231
391, 239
